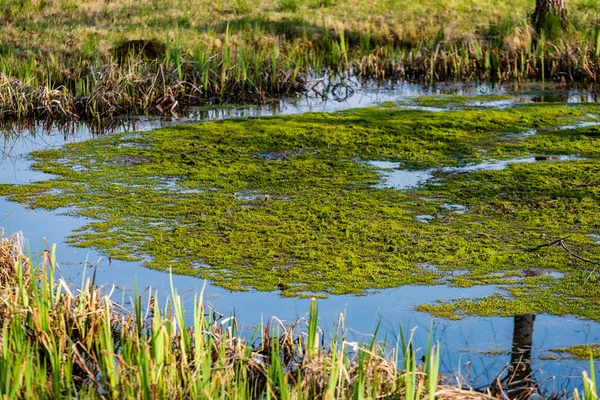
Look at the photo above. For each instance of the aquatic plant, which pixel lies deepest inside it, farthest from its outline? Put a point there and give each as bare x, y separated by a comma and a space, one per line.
580, 351
290, 203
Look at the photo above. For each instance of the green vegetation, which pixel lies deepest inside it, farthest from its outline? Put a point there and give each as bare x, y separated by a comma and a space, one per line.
58, 342
495, 352
291, 204
96, 59
580, 351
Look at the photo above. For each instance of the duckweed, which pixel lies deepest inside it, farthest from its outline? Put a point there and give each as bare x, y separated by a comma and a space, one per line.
289, 204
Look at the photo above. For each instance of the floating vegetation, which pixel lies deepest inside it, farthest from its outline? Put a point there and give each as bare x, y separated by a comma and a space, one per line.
581, 351
317, 221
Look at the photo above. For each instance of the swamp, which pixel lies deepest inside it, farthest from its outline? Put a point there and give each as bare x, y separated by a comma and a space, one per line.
299, 199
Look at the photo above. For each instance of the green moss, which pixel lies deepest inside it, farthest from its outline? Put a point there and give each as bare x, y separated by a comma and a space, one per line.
289, 204
452, 100
495, 352
580, 351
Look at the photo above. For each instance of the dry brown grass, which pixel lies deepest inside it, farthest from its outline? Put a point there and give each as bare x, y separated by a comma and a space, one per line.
12, 260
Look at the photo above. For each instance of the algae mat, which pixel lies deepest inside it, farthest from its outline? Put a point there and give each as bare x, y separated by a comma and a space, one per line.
294, 203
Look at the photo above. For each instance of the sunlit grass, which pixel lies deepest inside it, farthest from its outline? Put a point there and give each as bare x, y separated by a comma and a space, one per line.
60, 342
251, 50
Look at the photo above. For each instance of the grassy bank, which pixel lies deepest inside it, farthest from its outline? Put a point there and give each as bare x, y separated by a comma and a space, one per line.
99, 59
57, 342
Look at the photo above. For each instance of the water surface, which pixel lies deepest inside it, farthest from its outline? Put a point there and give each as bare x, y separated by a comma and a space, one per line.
467, 345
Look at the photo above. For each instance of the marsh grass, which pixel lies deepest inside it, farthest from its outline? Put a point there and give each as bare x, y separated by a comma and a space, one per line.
250, 50
138, 86
60, 342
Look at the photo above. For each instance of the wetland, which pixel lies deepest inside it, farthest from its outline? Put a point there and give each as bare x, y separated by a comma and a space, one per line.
403, 210
292, 204
428, 170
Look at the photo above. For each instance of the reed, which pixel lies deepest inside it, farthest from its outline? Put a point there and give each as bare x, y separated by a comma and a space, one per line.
59, 342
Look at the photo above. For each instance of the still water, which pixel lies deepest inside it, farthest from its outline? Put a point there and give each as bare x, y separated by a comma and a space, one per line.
478, 349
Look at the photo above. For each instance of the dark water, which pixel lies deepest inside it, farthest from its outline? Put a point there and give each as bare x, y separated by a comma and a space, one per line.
480, 348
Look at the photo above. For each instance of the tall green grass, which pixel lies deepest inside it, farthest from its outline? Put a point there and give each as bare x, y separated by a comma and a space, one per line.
57, 341
60, 342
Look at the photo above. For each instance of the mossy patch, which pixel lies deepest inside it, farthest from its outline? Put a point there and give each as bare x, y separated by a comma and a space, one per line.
451, 100
290, 204
580, 351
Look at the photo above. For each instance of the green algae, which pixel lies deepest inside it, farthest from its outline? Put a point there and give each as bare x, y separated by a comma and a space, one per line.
290, 204
495, 352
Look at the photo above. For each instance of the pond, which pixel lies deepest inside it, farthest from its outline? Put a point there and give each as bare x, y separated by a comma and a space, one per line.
479, 347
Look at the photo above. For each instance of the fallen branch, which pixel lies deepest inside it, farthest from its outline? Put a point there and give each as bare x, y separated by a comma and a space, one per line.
596, 263
549, 244
562, 244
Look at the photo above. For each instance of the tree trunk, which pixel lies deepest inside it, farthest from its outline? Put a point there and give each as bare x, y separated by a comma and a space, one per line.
546, 8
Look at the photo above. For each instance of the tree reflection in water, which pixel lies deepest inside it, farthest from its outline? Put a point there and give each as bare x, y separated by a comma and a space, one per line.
518, 381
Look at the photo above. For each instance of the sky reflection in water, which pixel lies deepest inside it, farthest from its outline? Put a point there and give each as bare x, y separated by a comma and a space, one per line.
465, 344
